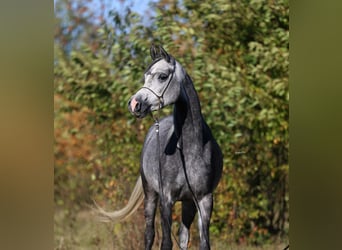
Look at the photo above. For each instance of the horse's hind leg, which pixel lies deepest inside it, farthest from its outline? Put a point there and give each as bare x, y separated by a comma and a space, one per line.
188, 215
206, 206
150, 202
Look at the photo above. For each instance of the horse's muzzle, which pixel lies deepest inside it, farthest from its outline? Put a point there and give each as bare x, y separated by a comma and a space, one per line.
137, 107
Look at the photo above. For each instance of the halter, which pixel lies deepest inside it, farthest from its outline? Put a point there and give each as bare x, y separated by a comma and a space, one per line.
161, 96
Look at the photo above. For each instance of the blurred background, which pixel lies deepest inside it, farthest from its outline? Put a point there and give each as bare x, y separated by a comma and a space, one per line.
237, 54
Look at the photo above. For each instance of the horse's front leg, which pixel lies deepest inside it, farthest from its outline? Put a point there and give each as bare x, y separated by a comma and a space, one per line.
206, 207
166, 221
150, 202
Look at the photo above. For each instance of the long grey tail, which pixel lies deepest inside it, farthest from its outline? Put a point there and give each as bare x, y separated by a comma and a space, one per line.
134, 202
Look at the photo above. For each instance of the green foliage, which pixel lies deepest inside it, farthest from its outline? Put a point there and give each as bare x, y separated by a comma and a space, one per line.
237, 55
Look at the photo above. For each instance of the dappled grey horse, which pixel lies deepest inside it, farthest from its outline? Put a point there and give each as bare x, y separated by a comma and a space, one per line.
180, 161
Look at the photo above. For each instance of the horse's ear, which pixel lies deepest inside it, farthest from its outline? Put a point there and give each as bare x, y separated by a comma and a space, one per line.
164, 54
159, 52
153, 52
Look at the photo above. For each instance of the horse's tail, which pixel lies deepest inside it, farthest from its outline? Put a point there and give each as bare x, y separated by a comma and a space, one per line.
133, 204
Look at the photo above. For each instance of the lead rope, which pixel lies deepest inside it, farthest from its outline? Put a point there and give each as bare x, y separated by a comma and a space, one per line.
156, 123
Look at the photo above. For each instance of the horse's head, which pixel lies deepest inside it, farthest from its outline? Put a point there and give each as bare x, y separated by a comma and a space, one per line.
161, 84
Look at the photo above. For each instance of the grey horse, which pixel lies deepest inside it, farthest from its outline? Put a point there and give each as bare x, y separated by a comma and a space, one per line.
180, 161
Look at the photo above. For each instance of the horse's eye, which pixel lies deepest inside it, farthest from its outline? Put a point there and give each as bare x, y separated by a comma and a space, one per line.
163, 77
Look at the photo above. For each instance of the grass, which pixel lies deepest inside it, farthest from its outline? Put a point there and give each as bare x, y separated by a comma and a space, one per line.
80, 231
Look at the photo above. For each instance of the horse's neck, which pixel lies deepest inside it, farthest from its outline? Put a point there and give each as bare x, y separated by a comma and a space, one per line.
188, 117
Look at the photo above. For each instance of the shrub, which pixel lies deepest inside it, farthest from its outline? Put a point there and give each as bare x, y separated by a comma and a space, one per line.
237, 54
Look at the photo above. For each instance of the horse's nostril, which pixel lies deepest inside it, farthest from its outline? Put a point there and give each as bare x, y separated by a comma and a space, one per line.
137, 107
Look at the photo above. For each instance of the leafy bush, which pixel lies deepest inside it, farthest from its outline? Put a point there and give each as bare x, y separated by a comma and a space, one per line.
237, 55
